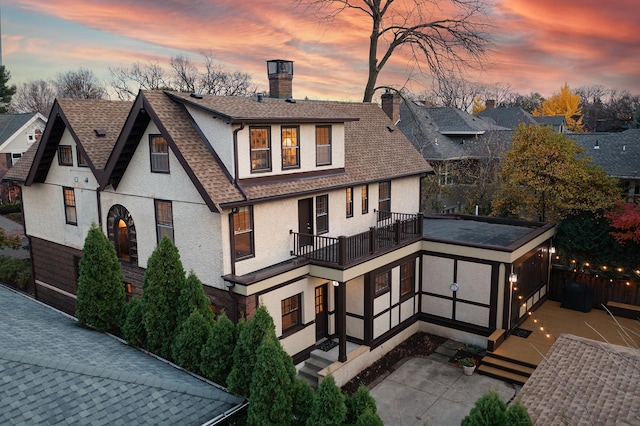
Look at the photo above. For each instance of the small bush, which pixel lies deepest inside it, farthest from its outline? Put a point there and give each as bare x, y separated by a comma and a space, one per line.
132, 325
15, 272
13, 207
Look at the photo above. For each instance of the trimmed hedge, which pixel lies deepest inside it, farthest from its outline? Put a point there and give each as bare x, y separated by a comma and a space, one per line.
7, 208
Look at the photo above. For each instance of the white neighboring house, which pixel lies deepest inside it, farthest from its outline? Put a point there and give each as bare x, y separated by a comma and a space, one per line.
17, 133
308, 207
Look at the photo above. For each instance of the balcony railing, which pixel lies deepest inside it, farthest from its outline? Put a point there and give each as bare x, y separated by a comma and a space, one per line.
392, 229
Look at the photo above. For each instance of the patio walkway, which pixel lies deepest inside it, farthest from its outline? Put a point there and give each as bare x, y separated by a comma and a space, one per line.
596, 324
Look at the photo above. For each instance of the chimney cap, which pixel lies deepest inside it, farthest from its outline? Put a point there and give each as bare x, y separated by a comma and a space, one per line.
279, 66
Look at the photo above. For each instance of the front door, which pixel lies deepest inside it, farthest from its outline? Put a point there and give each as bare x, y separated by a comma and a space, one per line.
321, 312
305, 221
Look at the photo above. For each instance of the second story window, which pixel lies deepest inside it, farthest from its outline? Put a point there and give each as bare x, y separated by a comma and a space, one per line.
159, 150
349, 200
243, 232
70, 206
164, 219
323, 145
365, 199
81, 160
290, 148
384, 198
65, 155
322, 214
382, 283
260, 149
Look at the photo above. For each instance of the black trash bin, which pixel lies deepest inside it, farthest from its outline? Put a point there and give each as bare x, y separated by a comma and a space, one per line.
578, 297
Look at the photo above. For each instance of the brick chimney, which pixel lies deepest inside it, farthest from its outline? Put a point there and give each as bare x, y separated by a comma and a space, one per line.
280, 73
391, 105
490, 103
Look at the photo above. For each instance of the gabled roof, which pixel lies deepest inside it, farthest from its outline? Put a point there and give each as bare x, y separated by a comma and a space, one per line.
83, 118
444, 133
11, 123
56, 372
509, 117
582, 381
373, 152
617, 153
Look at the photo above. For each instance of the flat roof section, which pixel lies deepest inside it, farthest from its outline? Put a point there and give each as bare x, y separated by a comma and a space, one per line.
480, 231
56, 372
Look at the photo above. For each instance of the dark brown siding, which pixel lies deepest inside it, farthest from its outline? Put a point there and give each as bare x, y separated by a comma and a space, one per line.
55, 265
236, 306
134, 275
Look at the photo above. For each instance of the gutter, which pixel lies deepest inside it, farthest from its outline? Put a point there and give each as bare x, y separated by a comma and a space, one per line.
230, 412
235, 159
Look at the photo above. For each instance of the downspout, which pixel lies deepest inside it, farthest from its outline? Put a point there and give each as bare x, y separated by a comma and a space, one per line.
235, 159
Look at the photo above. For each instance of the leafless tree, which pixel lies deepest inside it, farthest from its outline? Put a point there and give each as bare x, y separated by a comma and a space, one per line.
441, 37
127, 81
185, 76
79, 84
33, 96
451, 91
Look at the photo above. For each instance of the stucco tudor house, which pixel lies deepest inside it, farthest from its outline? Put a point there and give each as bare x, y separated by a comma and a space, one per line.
18, 132
311, 208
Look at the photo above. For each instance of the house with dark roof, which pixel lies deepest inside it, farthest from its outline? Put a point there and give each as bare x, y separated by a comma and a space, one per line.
57, 372
17, 133
512, 117
311, 208
452, 141
618, 154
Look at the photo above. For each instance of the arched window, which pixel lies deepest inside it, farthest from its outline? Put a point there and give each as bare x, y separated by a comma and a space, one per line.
121, 231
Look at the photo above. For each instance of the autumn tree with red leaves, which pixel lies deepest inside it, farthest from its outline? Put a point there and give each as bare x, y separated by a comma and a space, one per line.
625, 218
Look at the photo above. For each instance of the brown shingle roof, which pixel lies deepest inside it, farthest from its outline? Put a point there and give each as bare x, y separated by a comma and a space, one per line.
20, 170
87, 115
584, 382
372, 151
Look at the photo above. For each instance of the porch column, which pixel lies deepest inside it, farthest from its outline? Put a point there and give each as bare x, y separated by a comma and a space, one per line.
341, 320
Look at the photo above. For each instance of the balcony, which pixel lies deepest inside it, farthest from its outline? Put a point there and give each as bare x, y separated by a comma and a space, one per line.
391, 230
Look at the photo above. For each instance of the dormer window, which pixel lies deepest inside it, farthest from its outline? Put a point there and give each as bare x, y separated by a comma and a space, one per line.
260, 149
159, 152
323, 145
290, 148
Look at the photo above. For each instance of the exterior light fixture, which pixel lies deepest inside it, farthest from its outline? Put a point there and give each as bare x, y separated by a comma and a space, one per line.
335, 283
454, 286
513, 278
552, 250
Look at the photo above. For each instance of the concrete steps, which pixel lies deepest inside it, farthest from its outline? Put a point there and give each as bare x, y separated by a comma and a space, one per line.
312, 365
509, 370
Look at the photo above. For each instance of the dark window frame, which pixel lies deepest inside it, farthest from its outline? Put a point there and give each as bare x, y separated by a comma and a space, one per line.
70, 205
407, 277
82, 162
349, 201
322, 216
159, 159
384, 204
65, 155
327, 146
237, 231
291, 312
284, 148
382, 278
160, 227
116, 213
364, 191
269, 166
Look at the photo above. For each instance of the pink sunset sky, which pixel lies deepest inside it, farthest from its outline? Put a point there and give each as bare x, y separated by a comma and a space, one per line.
538, 44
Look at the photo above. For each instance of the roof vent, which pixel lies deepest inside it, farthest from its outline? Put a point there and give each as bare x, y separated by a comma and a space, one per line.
196, 95
597, 145
290, 100
624, 149
391, 128
260, 97
100, 133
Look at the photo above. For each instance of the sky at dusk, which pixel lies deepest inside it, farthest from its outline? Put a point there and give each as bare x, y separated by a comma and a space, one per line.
538, 44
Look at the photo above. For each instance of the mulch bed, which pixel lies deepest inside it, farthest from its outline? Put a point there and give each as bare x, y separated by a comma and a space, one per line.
418, 345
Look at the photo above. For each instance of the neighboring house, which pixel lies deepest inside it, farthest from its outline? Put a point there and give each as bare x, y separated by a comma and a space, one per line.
17, 133
458, 145
512, 117
56, 372
618, 154
582, 381
310, 208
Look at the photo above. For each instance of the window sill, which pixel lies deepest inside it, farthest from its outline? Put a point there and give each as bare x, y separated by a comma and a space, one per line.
291, 330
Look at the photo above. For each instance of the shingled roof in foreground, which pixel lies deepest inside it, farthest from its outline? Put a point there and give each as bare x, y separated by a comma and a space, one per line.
52, 371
